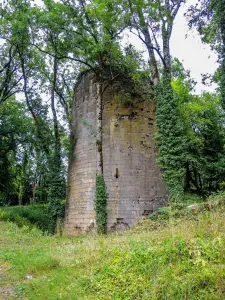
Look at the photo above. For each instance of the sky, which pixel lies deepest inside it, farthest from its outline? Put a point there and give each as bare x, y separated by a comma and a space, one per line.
186, 45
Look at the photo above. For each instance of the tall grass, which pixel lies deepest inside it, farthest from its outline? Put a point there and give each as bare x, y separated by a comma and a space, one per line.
30, 215
175, 258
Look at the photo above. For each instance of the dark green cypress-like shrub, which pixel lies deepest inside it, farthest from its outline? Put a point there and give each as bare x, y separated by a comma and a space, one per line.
100, 204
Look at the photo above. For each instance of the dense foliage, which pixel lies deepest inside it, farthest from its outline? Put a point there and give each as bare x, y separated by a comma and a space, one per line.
171, 139
16, 147
29, 215
46, 44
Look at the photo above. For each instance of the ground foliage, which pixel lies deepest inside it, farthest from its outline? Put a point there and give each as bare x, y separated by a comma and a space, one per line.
175, 258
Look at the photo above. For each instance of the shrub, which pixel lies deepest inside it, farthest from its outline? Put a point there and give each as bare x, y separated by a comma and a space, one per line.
26, 215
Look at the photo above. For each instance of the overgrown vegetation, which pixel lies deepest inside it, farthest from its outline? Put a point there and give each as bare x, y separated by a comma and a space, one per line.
176, 253
171, 139
100, 204
45, 45
174, 258
30, 215
56, 193
189, 206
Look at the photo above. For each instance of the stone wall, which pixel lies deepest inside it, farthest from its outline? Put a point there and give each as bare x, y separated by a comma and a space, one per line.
133, 180
80, 214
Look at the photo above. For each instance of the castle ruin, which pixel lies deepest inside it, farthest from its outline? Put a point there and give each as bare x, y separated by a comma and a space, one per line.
134, 182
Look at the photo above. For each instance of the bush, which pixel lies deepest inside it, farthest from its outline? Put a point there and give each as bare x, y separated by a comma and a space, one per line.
192, 205
26, 215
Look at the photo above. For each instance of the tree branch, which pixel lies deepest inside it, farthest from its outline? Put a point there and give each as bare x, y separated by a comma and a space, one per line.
63, 56
152, 47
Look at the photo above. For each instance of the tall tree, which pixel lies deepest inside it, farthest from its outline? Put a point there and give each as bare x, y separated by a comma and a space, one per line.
209, 19
16, 135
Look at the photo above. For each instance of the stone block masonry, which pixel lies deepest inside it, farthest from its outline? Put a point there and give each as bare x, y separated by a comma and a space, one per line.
134, 182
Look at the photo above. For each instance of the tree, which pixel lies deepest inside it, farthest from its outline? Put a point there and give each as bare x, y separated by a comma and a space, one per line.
202, 118
10, 80
16, 135
209, 19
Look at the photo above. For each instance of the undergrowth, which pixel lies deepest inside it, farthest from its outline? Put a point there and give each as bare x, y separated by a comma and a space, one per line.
191, 206
30, 215
175, 258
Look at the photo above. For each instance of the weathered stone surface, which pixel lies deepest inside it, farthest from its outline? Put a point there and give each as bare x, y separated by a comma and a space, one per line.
133, 180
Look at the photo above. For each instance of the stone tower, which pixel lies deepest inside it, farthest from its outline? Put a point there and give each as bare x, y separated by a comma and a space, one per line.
134, 183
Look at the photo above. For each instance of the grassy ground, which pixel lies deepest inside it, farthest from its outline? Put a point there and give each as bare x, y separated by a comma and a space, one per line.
179, 258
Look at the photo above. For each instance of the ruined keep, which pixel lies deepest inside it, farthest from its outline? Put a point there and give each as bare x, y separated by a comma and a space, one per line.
134, 183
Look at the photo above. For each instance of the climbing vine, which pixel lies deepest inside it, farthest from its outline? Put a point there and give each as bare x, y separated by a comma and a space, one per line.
172, 144
100, 204
56, 206
56, 195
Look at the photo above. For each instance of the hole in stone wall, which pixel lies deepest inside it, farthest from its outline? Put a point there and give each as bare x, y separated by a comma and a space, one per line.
147, 212
117, 173
120, 225
119, 220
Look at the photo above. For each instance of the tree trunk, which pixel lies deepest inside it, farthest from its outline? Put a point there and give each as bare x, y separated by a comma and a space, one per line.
26, 92
222, 29
152, 60
187, 178
149, 45
166, 51
34, 187
29, 104
22, 178
55, 120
